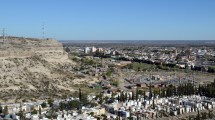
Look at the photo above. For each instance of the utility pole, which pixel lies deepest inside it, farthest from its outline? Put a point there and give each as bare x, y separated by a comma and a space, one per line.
43, 31
3, 34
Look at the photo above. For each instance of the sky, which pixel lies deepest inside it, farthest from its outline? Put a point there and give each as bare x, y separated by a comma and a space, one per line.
110, 19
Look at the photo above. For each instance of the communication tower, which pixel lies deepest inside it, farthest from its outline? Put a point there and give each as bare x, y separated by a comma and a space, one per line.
43, 31
3, 34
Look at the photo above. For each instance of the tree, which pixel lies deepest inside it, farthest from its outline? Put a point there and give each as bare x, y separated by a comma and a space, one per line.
150, 91
93, 104
144, 95
118, 97
126, 96
84, 99
21, 115
1, 110
163, 93
204, 115
109, 73
92, 113
115, 83
112, 96
5, 110
100, 98
80, 95
104, 117
210, 114
34, 111
138, 116
198, 115
74, 104
40, 111
137, 94
122, 97
62, 106
50, 102
44, 105
80, 112
63, 115
132, 95
153, 103
199, 90
159, 92
51, 114
67, 49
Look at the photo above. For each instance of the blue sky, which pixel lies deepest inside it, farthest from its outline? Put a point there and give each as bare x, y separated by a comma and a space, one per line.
110, 19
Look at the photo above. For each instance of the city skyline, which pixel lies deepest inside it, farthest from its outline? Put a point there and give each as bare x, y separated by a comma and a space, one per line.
110, 20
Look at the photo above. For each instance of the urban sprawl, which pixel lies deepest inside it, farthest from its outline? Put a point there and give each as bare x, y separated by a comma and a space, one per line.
131, 83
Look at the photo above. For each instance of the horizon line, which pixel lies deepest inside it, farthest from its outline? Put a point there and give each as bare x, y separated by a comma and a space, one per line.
138, 40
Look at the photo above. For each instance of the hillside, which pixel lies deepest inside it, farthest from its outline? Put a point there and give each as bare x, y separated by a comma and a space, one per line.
33, 69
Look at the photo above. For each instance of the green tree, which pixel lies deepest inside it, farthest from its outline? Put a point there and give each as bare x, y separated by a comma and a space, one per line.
34, 111
21, 115
144, 95
80, 94
44, 105
5, 110
100, 96
112, 96
211, 69
126, 96
92, 113
198, 115
132, 95
159, 92
204, 115
153, 103
137, 94
80, 112
115, 83
210, 114
40, 111
122, 97
84, 98
93, 104
150, 91
1, 110
104, 117
74, 104
62, 106
50, 102
109, 73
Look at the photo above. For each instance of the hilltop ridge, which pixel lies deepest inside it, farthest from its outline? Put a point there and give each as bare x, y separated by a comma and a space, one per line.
33, 69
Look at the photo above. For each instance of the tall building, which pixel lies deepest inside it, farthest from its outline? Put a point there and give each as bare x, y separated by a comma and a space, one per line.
176, 52
87, 50
93, 49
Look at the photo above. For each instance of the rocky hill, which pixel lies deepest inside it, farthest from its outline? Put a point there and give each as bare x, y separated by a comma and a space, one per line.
33, 69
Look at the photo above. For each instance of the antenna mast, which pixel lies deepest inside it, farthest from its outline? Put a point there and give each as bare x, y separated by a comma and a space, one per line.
43, 29
3, 34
